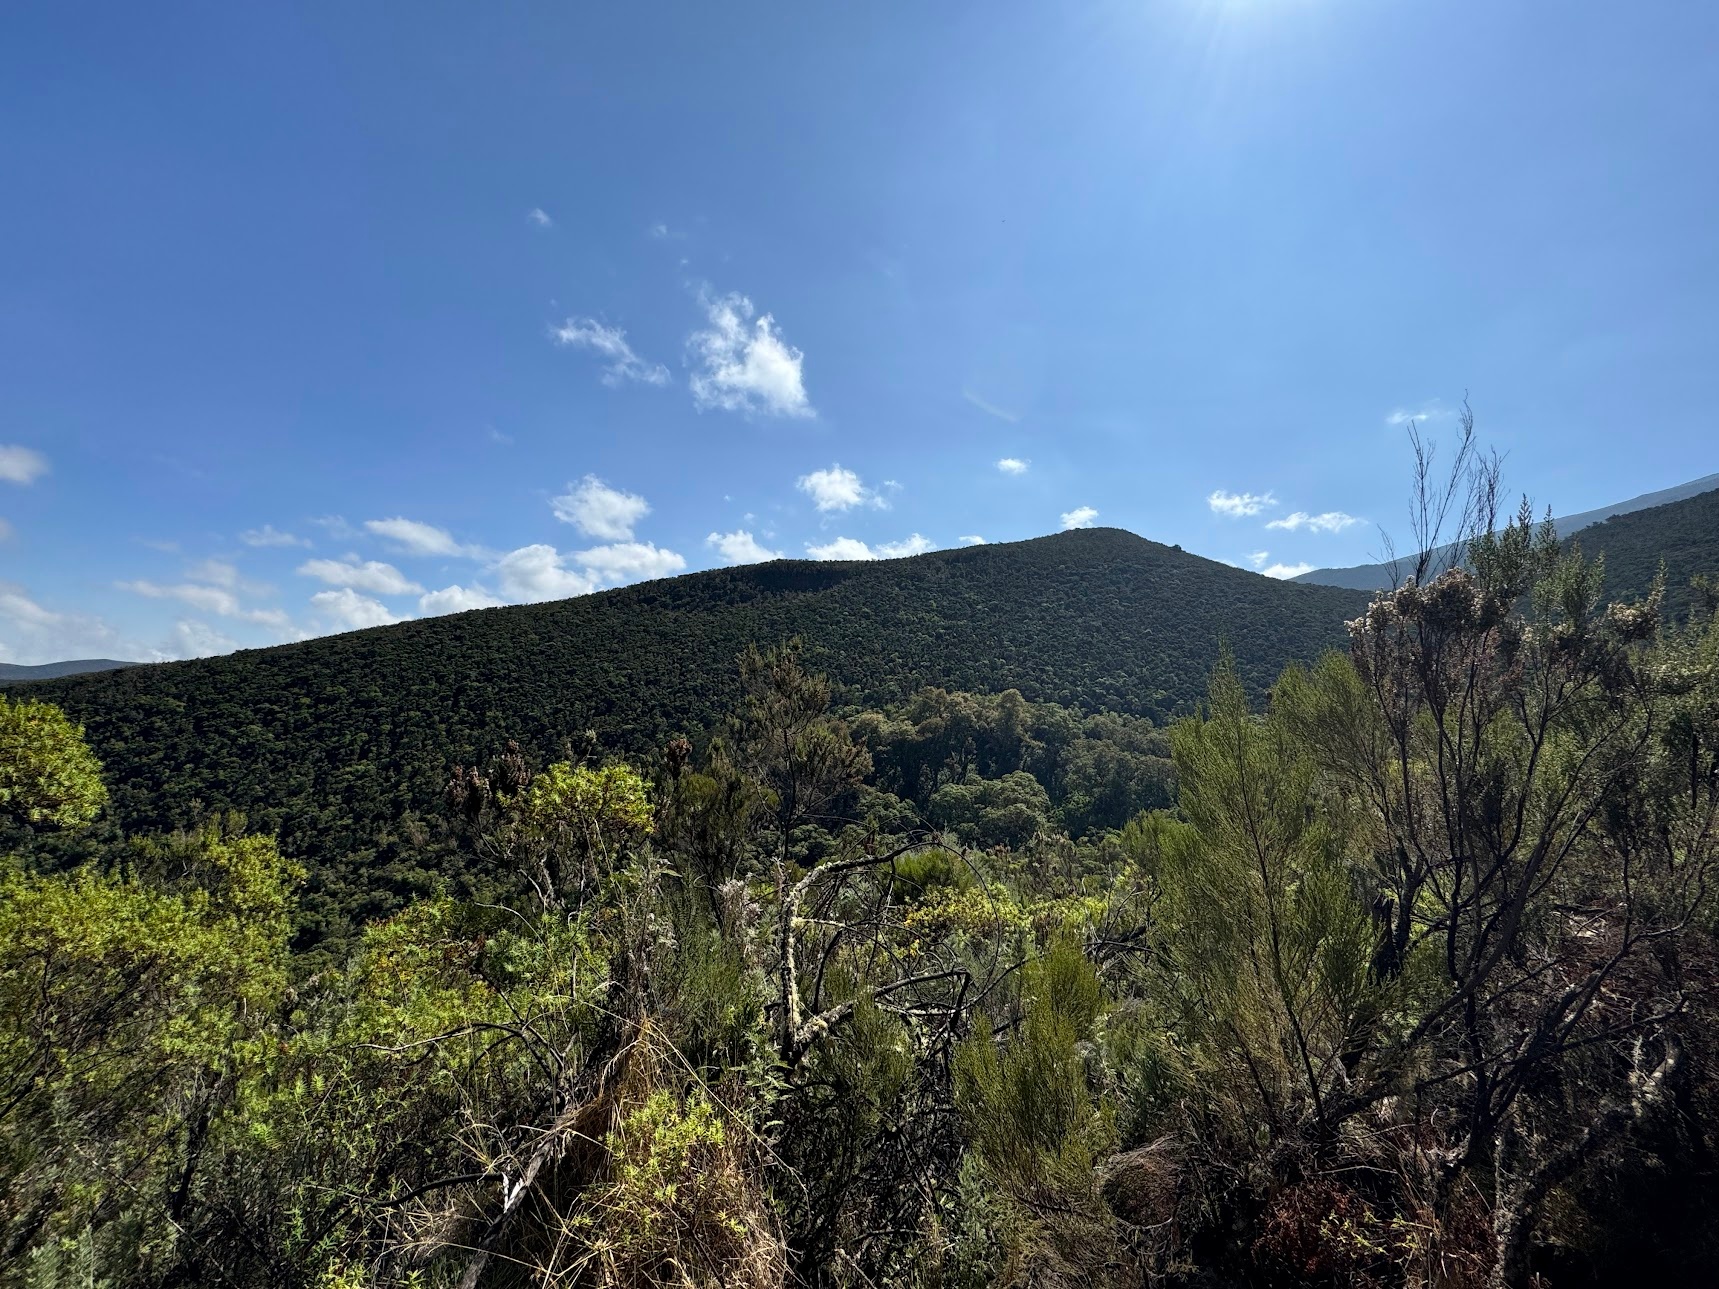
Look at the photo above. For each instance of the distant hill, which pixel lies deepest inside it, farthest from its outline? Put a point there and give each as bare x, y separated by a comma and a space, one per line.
10, 671
1684, 535
1378, 577
340, 742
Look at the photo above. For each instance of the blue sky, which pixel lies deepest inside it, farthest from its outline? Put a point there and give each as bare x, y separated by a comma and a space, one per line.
319, 315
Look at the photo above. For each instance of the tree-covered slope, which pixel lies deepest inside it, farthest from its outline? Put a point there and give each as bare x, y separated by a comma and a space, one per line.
334, 741
1684, 536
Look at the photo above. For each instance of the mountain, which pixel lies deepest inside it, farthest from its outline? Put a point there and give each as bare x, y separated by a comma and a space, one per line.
343, 743
10, 671
1377, 577
1684, 536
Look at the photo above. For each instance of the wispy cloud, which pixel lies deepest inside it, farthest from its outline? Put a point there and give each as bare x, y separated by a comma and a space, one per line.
1332, 521
991, 409
745, 365
372, 575
537, 215
610, 343
416, 538
972, 539
1014, 465
21, 465
1433, 410
837, 489
224, 573
218, 600
741, 547
269, 535
336, 527
194, 639
30, 633
1079, 517
1239, 505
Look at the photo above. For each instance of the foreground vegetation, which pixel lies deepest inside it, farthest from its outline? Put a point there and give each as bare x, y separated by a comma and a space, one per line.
1401, 976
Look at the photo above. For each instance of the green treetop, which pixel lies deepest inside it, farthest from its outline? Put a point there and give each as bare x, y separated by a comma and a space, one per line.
48, 775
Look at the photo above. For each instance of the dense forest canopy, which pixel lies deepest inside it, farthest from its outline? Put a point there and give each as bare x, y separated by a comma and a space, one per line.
1400, 972
340, 746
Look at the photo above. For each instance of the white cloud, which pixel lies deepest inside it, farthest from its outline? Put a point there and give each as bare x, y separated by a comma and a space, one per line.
1239, 505
218, 600
598, 510
610, 342
745, 365
371, 575
1079, 517
629, 561
536, 573
852, 548
991, 409
1282, 571
30, 634
216, 572
18, 608
335, 526
838, 489
19, 464
914, 544
193, 639
269, 535
352, 611
456, 599
1435, 410
972, 539
1013, 465
415, 538
540, 217
741, 547
1258, 558
207, 598
210, 599
841, 548
1332, 521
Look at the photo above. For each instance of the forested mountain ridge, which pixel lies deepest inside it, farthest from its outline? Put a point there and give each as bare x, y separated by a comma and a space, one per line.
335, 742
1677, 523
1683, 536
